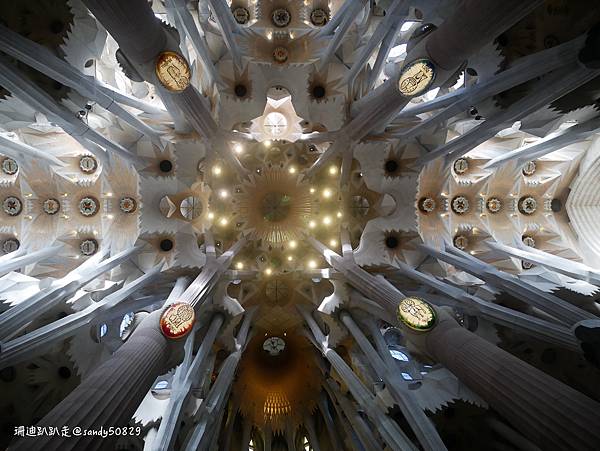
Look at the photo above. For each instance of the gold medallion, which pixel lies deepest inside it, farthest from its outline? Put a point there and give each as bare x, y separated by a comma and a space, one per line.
416, 313
173, 71
177, 320
416, 77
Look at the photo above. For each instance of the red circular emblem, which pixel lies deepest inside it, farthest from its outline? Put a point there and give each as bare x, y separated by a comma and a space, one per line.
177, 320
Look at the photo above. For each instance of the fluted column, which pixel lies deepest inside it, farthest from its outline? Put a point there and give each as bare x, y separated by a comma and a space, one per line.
209, 416
111, 394
548, 412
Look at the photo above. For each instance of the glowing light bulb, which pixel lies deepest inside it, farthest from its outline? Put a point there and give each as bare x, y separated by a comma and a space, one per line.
238, 148
312, 264
312, 191
292, 170
327, 220
333, 242
339, 214
293, 244
327, 193
217, 170
333, 170
211, 215
109, 194
290, 258
268, 271
239, 265
312, 224
223, 221
223, 193
267, 143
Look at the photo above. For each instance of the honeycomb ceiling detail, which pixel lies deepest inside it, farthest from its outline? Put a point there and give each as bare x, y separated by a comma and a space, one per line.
269, 167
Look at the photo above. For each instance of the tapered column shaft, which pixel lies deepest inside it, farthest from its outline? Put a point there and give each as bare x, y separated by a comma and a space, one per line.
472, 26
111, 394
548, 412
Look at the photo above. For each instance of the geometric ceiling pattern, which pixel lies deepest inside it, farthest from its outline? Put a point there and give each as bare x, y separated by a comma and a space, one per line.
299, 225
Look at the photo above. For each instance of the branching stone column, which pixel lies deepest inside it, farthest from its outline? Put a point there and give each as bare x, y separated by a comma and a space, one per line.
24, 154
549, 144
179, 8
550, 332
328, 420
39, 341
552, 262
229, 29
548, 412
19, 316
187, 373
21, 258
26, 90
524, 69
560, 309
112, 393
420, 424
211, 410
142, 46
313, 439
356, 428
387, 428
472, 26
43, 60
